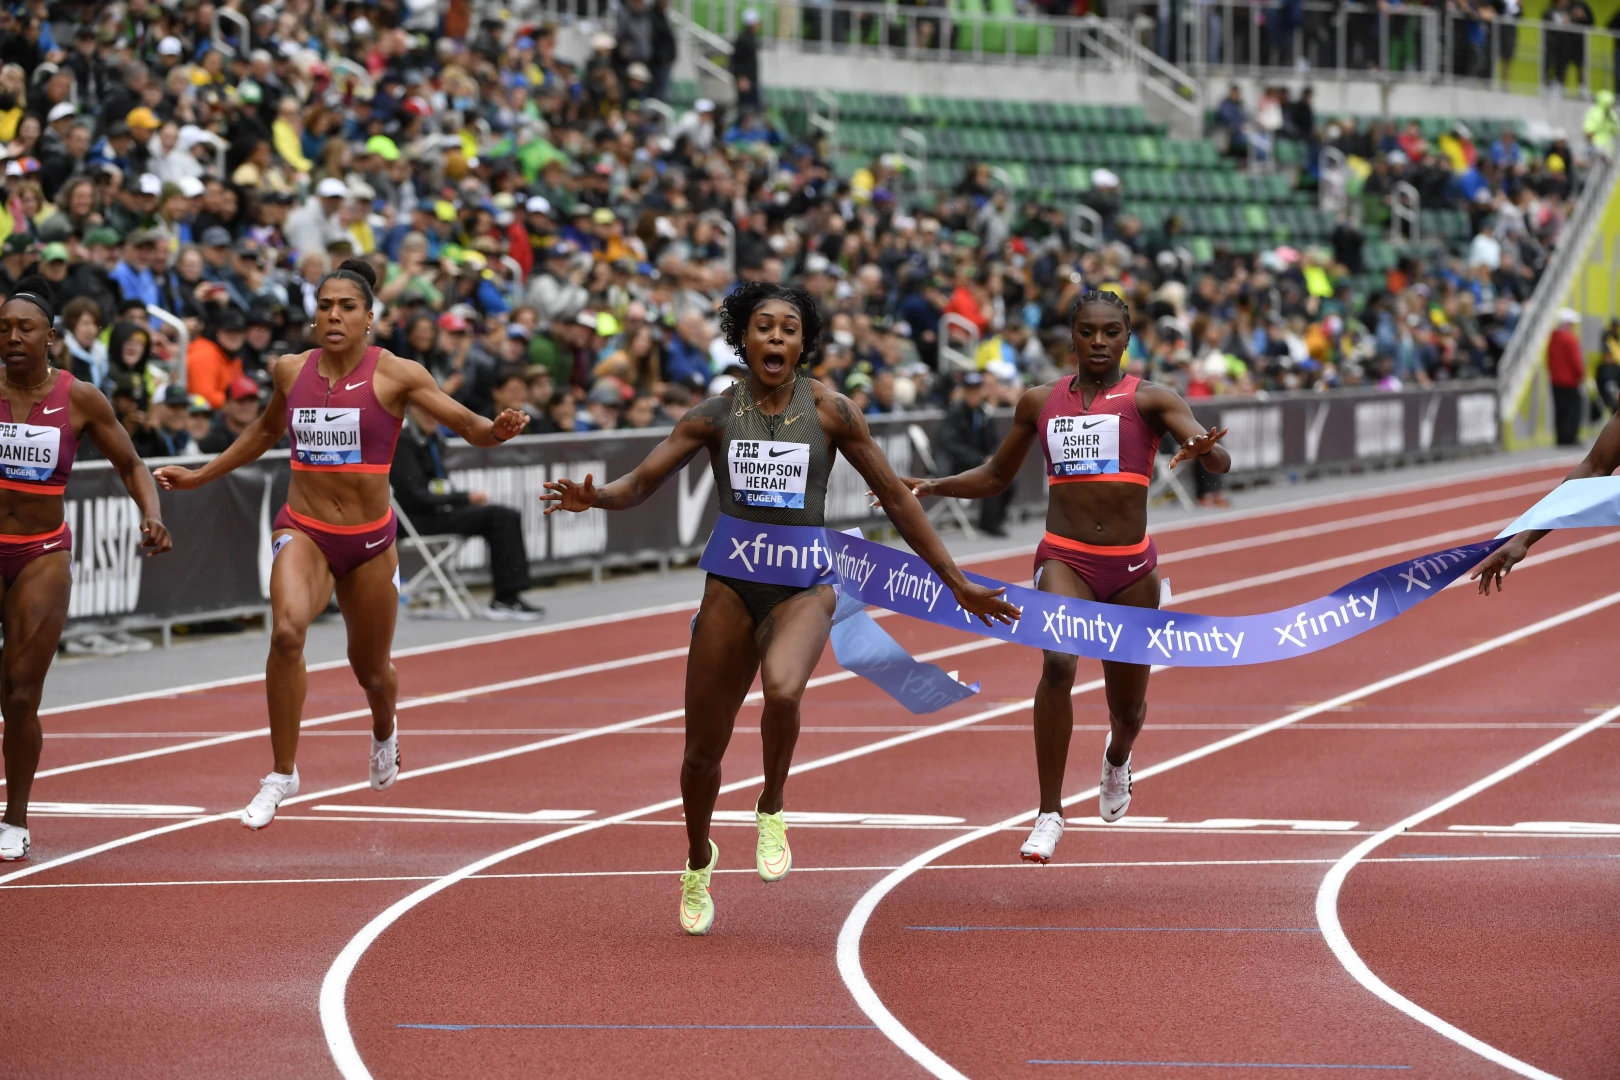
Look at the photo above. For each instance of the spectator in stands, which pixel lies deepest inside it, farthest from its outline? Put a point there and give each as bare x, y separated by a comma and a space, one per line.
745, 61
510, 390
1566, 370
240, 408
214, 358
83, 353
965, 439
1233, 119
1601, 123
603, 406
643, 412
561, 415
169, 434
423, 490
18, 255
129, 348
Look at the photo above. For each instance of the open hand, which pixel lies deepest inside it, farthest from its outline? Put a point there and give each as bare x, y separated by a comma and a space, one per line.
564, 494
155, 537
1197, 446
920, 488
987, 604
176, 478
509, 423
1497, 567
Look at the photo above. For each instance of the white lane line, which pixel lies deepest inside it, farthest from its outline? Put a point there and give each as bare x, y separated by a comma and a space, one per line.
334, 988
1327, 901
1018, 867
1199, 522
849, 936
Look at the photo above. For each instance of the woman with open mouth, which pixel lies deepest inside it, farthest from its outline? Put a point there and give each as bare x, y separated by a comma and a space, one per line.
44, 412
344, 403
771, 440
1100, 430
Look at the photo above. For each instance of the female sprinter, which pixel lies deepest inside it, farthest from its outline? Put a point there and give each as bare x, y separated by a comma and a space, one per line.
1602, 460
344, 402
1103, 426
744, 627
36, 457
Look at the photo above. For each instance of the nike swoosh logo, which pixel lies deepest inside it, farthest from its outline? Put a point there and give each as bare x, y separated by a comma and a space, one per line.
32, 434
53, 543
1138, 566
58, 409
384, 540
354, 386
792, 418
1087, 427
774, 453
1111, 397
330, 417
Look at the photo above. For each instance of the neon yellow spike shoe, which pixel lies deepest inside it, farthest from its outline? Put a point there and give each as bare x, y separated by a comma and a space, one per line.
772, 856
697, 906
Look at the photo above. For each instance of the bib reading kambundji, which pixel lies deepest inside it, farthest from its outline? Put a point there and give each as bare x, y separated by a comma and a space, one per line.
28, 451
769, 473
1083, 445
327, 436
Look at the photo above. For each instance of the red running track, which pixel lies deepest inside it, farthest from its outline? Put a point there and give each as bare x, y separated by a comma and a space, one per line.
1177, 944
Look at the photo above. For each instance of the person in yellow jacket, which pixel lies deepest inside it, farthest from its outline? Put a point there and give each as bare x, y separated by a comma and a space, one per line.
1601, 124
287, 135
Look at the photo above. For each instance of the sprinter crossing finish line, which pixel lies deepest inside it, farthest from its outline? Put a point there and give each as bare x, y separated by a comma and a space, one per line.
868, 573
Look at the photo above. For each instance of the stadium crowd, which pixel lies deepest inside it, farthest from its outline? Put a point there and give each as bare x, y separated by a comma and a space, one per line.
545, 240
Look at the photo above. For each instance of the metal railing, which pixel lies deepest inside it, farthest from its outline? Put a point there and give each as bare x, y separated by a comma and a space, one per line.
951, 356
177, 367
244, 31
1404, 43
1526, 349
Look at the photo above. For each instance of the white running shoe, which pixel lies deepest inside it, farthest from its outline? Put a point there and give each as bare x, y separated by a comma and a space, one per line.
13, 842
1043, 839
272, 789
385, 760
1114, 798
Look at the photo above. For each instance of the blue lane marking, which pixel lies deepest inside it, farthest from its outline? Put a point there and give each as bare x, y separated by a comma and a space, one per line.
1217, 1064
1137, 929
640, 1027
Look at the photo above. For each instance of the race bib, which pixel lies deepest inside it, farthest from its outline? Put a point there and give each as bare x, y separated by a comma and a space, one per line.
28, 451
327, 436
1083, 445
769, 473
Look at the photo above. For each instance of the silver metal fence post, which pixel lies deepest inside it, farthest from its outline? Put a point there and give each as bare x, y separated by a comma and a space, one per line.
177, 369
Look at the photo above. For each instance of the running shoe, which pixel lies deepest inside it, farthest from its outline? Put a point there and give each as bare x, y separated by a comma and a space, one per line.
13, 842
772, 856
272, 790
1043, 839
697, 906
385, 760
1114, 797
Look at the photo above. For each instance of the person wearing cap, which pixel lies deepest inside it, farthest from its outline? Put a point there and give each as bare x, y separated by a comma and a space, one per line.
113, 148
214, 358
169, 433
699, 125
604, 405
1566, 371
18, 255
143, 125
63, 149
240, 409
136, 205
319, 221
53, 264
136, 273
538, 231
92, 277
557, 293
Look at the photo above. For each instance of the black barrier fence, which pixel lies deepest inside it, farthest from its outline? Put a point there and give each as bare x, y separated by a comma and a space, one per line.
221, 562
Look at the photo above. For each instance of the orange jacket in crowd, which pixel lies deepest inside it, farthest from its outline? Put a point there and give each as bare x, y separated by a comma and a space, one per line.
209, 371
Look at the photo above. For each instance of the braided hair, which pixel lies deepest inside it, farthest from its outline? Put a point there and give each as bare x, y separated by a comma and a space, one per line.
1100, 296
739, 307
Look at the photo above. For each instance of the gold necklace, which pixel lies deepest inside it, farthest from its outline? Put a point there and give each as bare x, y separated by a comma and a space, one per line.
767, 397
31, 386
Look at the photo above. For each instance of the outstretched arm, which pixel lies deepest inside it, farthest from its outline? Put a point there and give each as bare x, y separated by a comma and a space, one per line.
424, 393
699, 428
1601, 460
256, 438
1175, 417
995, 475
101, 424
847, 431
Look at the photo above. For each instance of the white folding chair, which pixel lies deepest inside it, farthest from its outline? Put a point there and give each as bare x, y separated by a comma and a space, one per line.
1166, 482
438, 554
954, 508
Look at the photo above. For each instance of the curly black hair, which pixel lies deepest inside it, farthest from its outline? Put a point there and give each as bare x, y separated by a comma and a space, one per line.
1099, 296
739, 307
